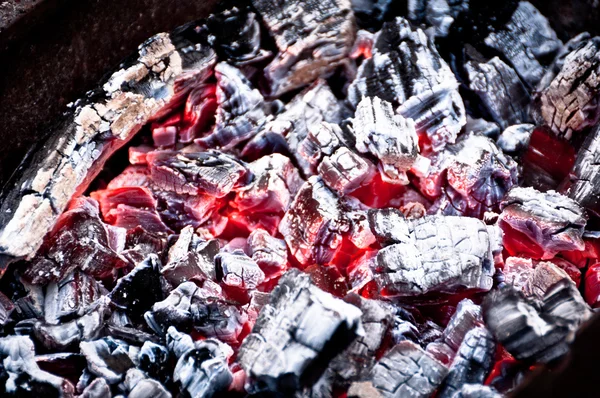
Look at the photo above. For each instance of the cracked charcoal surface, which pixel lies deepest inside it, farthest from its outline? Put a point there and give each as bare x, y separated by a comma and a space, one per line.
323, 141
313, 38
441, 254
299, 331
500, 91
389, 138
569, 104
527, 42
551, 220
425, 91
93, 131
585, 188
345, 171
407, 371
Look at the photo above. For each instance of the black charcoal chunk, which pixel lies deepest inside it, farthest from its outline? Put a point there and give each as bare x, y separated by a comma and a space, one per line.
585, 187
527, 42
406, 371
515, 139
235, 35
441, 254
194, 173
551, 220
477, 176
138, 385
439, 14
154, 360
304, 114
472, 363
86, 327
237, 270
108, 358
190, 257
135, 292
313, 38
276, 181
369, 12
70, 297
296, 335
500, 91
425, 91
268, 252
345, 171
389, 138
569, 104
130, 334
313, 226
535, 330
20, 375
201, 369
203, 309
240, 113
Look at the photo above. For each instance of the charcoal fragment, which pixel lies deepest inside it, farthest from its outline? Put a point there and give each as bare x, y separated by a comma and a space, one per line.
389, 138
140, 288
268, 252
313, 225
323, 141
137, 385
542, 278
500, 90
98, 388
570, 103
310, 46
107, 358
407, 371
154, 360
527, 42
440, 254
369, 12
559, 60
585, 175
552, 221
344, 171
425, 91
514, 139
238, 270
466, 318
439, 14
473, 362
317, 327
70, 297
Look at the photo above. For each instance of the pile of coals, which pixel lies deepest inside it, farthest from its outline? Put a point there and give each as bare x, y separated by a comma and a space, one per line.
312, 199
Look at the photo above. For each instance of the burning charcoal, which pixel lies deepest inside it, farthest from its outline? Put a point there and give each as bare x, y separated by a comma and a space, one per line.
404, 327
110, 199
345, 171
323, 141
478, 175
305, 113
310, 46
569, 104
141, 243
130, 334
466, 317
20, 374
425, 91
140, 288
585, 188
441, 254
296, 335
440, 14
240, 112
265, 143
472, 363
235, 34
534, 330
559, 61
128, 217
544, 276
180, 210
517, 271
70, 297
164, 136
476, 391
548, 219
132, 176
237, 270
203, 309
391, 139
163, 71
107, 358
98, 388
514, 139
389, 225
201, 369
407, 371
86, 327
190, 257
500, 90
268, 252
199, 112
193, 173
79, 240
275, 184
154, 360
527, 42
313, 225
137, 385
30, 299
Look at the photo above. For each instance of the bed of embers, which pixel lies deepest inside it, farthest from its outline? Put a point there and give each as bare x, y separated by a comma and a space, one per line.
306, 199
